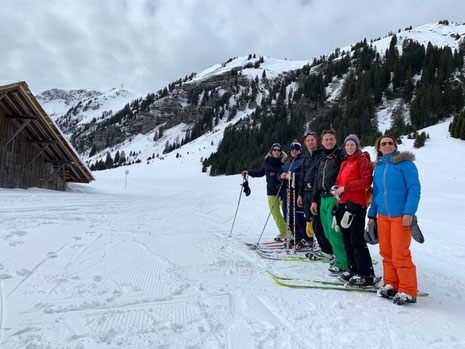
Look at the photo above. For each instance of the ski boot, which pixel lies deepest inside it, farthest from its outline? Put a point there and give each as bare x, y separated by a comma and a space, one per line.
402, 298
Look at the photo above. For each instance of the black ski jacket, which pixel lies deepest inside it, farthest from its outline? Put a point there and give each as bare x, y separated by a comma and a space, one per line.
271, 166
327, 171
309, 170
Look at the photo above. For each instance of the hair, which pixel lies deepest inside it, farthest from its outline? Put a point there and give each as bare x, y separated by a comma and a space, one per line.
377, 144
330, 131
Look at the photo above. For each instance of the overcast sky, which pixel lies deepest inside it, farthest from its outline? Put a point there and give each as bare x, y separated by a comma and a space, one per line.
146, 44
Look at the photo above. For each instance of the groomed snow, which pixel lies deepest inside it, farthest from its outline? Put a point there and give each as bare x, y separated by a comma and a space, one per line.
152, 266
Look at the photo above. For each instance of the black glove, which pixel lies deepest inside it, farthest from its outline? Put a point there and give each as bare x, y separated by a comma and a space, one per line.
246, 188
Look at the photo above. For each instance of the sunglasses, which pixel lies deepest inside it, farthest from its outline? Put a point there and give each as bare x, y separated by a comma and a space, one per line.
383, 144
309, 133
276, 149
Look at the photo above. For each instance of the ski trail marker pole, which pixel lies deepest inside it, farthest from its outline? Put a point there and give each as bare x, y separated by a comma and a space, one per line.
237, 208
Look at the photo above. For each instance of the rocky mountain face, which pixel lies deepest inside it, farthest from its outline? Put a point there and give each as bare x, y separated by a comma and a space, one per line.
358, 88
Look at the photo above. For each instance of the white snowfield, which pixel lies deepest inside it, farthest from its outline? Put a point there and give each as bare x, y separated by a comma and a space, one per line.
152, 266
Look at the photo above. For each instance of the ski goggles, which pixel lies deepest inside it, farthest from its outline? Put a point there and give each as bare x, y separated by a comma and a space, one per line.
309, 133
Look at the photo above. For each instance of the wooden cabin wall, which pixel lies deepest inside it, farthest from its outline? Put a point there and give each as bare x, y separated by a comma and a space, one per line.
15, 156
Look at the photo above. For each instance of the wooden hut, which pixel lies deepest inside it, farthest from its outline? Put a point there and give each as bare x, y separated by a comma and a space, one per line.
33, 151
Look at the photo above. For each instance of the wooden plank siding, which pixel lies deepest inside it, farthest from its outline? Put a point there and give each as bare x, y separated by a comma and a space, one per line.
33, 153
16, 155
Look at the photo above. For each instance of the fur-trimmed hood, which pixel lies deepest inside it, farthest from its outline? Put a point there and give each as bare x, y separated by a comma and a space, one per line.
397, 157
283, 156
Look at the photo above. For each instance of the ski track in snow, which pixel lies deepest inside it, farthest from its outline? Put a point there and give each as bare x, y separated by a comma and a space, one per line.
153, 267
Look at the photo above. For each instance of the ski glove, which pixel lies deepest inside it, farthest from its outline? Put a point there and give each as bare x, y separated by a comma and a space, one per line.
371, 234
416, 232
347, 219
334, 224
246, 187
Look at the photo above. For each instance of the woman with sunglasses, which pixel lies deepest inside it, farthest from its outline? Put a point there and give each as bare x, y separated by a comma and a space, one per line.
272, 164
396, 194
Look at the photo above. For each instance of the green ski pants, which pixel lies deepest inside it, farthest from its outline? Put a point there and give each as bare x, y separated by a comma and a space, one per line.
334, 237
276, 213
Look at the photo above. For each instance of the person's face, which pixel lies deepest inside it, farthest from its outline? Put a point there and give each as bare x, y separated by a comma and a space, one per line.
351, 147
295, 152
310, 142
328, 141
387, 146
276, 152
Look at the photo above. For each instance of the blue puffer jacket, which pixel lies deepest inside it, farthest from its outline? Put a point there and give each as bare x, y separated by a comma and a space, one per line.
396, 187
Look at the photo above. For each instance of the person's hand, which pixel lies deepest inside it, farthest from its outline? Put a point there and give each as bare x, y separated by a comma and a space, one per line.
407, 220
299, 201
314, 209
371, 221
244, 173
283, 175
339, 191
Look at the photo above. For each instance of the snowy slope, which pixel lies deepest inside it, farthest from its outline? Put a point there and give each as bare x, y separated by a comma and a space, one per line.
57, 102
152, 266
438, 34
272, 66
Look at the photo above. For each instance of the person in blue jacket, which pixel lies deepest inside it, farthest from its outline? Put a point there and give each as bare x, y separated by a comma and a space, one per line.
272, 164
396, 194
293, 168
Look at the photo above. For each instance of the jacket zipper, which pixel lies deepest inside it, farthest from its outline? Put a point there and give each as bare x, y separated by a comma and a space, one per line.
385, 191
324, 175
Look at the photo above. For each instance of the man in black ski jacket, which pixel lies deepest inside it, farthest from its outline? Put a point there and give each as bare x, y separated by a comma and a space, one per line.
307, 179
323, 201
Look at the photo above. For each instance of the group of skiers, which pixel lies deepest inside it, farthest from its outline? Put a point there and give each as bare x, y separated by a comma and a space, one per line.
324, 193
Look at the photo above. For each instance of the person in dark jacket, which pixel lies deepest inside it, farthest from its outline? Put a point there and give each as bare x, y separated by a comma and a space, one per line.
312, 157
327, 171
396, 195
272, 164
292, 168
353, 181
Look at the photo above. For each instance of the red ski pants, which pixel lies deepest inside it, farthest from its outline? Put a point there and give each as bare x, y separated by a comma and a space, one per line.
394, 243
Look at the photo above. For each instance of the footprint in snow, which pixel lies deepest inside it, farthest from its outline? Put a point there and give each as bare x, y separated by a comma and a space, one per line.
23, 272
5, 276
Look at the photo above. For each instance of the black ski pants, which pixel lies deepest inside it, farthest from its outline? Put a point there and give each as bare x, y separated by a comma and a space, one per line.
358, 254
316, 223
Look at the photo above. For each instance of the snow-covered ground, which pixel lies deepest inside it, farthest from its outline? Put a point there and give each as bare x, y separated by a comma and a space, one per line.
152, 266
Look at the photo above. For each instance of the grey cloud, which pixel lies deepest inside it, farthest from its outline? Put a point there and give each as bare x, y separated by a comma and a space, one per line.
146, 44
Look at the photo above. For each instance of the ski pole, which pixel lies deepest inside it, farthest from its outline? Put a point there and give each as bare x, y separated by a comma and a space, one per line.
288, 208
269, 214
293, 209
237, 209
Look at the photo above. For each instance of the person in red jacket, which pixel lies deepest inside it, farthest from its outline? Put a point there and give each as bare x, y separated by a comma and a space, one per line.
355, 177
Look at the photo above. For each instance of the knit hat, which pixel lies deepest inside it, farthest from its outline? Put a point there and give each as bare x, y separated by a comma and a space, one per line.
352, 137
295, 145
277, 145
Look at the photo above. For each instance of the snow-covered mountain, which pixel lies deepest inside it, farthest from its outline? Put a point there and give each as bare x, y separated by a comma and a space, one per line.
70, 108
174, 117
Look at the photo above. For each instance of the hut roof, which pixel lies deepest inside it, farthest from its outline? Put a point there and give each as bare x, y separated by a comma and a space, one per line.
18, 104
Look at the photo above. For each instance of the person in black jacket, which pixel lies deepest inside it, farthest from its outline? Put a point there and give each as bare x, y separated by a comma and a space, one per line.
291, 171
272, 164
307, 179
323, 201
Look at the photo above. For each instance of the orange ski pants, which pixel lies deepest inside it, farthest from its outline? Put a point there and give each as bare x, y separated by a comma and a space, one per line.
394, 243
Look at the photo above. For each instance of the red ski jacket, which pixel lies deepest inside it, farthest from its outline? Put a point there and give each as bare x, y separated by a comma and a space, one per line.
356, 176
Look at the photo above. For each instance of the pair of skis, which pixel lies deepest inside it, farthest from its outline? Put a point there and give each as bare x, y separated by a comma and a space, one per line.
325, 285
277, 251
